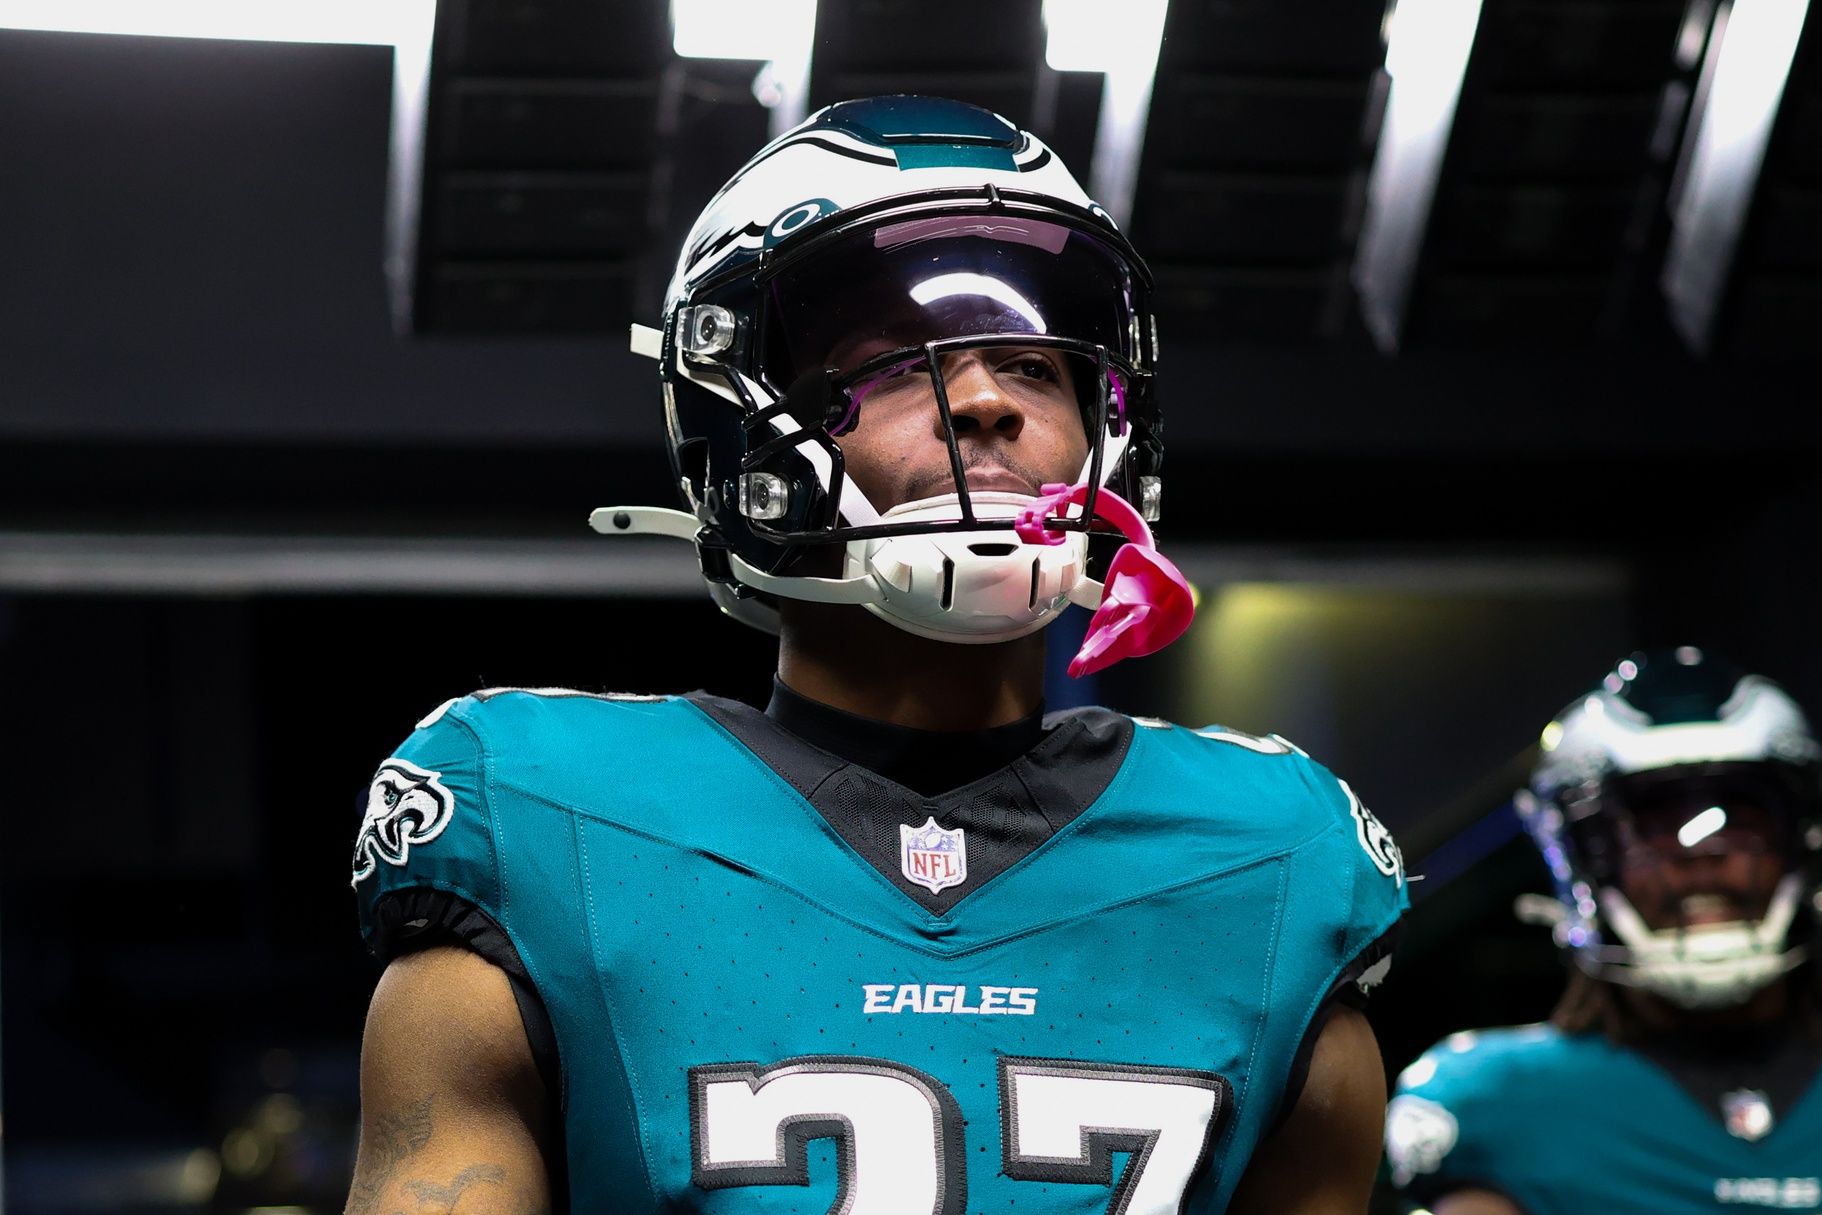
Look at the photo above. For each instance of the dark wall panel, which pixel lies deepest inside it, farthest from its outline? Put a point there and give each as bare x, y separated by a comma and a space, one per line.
190, 236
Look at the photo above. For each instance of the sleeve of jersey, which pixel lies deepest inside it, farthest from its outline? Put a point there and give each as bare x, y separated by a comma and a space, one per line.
1447, 1122
1364, 862
427, 834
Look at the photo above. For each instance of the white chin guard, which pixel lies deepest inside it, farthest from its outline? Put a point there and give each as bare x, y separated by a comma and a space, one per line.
1709, 966
974, 587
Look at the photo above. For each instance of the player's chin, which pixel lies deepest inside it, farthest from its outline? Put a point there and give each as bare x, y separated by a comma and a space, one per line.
1674, 917
944, 487
1003, 481
1008, 477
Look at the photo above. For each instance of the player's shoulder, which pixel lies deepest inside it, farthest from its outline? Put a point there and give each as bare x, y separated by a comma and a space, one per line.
532, 728
1193, 738
1262, 764
1481, 1103
1274, 782
491, 774
450, 771
1491, 1064
512, 713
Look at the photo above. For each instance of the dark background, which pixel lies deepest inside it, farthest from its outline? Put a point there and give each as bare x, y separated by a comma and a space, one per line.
250, 532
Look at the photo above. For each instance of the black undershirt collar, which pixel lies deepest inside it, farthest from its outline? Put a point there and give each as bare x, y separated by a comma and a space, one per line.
1779, 1062
928, 762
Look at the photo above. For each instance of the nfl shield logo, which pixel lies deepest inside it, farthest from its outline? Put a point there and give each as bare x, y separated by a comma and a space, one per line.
1747, 1112
933, 858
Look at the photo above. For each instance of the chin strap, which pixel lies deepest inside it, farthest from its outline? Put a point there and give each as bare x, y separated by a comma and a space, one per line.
1143, 606
644, 521
1145, 603
681, 525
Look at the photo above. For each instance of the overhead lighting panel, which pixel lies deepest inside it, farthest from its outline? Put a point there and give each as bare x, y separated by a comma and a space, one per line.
1427, 50
778, 33
1743, 79
404, 25
363, 22
741, 29
1082, 37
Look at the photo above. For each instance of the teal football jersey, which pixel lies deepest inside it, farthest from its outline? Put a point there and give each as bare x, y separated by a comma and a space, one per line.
1571, 1124
757, 1012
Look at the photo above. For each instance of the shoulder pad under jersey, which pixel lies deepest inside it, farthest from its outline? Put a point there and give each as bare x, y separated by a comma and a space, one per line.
431, 818
1458, 1115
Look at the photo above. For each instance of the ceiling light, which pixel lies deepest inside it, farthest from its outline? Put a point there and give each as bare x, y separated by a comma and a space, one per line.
1427, 53
1743, 80
781, 34
335, 21
1080, 37
742, 29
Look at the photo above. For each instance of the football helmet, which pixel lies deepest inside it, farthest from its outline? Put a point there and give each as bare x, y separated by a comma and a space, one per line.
860, 251
1676, 807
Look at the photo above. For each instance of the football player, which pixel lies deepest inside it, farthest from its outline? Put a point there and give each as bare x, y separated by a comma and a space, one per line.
1676, 807
899, 944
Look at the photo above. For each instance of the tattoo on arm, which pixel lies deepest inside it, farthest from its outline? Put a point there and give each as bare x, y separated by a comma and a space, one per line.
441, 1198
393, 1138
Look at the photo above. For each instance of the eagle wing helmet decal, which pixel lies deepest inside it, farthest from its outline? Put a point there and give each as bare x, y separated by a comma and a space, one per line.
406, 805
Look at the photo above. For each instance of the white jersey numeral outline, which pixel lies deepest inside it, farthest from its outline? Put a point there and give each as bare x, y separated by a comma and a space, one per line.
1062, 1120
898, 1131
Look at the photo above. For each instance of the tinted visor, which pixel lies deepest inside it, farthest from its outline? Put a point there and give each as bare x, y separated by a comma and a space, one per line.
1038, 372
1704, 846
1738, 809
1764, 807
864, 294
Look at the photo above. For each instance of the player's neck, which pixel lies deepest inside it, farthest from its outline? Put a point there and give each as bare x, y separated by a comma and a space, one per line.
847, 658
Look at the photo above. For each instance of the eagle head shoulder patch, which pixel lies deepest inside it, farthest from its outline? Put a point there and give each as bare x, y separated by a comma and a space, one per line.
406, 805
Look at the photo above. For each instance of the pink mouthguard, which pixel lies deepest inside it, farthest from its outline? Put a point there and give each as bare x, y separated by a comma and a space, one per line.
1145, 601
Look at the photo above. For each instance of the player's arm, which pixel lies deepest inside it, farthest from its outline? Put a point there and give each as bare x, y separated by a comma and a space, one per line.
452, 1106
1323, 1157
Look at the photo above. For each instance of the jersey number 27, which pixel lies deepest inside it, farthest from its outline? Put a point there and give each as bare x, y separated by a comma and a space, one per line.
898, 1131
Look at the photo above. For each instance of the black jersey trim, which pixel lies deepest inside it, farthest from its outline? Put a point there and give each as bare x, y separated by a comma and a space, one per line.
420, 917
1782, 1064
1346, 987
929, 762
1344, 990
1299, 1074
1006, 815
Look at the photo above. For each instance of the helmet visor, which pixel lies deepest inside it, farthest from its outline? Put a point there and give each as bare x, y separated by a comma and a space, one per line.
1704, 847
1020, 412
859, 295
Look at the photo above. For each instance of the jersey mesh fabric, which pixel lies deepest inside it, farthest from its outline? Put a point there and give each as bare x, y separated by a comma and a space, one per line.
1572, 1124
686, 915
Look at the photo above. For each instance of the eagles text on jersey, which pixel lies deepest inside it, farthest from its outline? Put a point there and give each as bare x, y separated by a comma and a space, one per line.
780, 983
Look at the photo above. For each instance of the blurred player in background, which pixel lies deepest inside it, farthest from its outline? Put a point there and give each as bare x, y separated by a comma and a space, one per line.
900, 944
1677, 807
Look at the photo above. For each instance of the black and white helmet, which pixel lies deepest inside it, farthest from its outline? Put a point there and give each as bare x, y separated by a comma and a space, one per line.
922, 227
1683, 753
